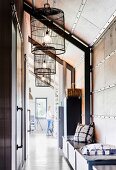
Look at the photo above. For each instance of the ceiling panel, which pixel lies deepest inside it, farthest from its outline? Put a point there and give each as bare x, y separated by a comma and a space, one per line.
98, 12
95, 14
70, 11
86, 31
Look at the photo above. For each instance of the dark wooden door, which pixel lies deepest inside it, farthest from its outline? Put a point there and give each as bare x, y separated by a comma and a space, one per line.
19, 105
72, 114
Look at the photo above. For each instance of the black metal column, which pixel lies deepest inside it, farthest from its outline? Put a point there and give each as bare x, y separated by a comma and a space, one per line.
87, 86
64, 79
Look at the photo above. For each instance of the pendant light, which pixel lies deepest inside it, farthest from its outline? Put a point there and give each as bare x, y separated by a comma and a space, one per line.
43, 80
44, 35
44, 64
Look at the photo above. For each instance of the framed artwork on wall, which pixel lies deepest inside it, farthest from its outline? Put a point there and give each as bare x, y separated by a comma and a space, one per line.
40, 107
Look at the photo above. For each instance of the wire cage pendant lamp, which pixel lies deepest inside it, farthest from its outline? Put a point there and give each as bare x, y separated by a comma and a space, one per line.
47, 36
44, 64
43, 80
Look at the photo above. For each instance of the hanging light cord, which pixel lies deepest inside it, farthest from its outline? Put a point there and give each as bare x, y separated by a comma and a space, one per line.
47, 5
33, 3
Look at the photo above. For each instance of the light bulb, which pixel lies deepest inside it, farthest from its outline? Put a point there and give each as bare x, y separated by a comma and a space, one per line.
44, 64
47, 39
43, 78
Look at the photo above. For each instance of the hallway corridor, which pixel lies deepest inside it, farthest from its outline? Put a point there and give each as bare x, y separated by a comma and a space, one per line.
44, 154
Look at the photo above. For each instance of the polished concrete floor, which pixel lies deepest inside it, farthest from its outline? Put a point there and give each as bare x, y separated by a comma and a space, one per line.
44, 154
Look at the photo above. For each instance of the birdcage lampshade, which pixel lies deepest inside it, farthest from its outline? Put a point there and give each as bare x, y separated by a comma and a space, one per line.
43, 80
44, 35
44, 64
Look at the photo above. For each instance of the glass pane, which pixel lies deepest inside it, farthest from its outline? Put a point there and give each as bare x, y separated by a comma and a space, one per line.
40, 106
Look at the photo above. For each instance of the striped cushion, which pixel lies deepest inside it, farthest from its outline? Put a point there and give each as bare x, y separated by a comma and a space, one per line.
84, 133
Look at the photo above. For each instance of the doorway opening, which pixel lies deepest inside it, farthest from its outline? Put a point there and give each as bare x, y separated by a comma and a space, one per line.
42, 98
40, 114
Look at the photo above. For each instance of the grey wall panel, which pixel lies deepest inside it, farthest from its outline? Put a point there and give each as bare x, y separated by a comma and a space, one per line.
105, 130
98, 77
98, 103
110, 70
98, 53
110, 101
104, 88
105, 102
110, 40
114, 36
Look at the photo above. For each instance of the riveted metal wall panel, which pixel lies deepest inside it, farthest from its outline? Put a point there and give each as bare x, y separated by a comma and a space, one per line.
98, 103
98, 77
98, 53
104, 130
110, 70
110, 102
110, 40
114, 36
104, 86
